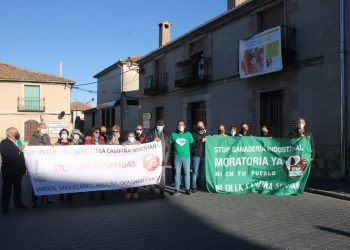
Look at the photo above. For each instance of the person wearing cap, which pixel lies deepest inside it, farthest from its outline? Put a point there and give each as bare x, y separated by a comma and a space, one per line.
77, 137
158, 134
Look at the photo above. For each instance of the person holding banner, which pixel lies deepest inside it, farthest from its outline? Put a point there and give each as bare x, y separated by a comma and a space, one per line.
221, 130
158, 134
115, 135
140, 136
103, 133
182, 140
40, 138
265, 132
245, 130
96, 138
131, 141
199, 136
12, 168
233, 131
64, 138
302, 131
77, 137
64, 141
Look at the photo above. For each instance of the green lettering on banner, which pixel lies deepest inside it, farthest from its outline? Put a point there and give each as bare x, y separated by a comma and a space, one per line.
277, 166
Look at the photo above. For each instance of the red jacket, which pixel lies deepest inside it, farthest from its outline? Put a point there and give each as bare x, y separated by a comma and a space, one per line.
91, 140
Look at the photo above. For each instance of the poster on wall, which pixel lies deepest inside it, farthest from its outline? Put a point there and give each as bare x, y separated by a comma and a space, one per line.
261, 54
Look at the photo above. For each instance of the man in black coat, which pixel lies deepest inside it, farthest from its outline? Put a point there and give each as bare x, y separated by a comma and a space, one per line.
197, 153
12, 169
158, 134
302, 131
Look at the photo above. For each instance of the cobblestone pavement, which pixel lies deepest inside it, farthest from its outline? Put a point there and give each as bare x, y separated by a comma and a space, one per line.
200, 221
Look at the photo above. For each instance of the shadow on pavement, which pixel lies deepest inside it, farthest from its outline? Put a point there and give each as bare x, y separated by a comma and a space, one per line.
332, 230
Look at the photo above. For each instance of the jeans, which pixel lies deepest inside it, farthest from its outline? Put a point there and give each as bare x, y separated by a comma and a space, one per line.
196, 163
186, 163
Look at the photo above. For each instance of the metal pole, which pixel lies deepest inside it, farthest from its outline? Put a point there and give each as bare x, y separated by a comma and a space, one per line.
121, 96
342, 93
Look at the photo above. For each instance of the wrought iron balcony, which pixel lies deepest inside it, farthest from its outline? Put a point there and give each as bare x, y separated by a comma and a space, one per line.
193, 71
30, 104
156, 84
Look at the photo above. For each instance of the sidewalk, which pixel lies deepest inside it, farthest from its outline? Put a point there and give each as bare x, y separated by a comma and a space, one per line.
329, 187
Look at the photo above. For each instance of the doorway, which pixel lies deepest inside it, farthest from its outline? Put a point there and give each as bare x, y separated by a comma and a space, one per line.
271, 112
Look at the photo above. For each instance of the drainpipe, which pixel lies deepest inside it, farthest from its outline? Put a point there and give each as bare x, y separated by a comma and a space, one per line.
342, 93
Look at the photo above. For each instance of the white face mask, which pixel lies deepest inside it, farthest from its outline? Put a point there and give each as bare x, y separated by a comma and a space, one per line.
139, 131
116, 134
181, 128
233, 133
43, 131
76, 137
131, 139
64, 136
160, 128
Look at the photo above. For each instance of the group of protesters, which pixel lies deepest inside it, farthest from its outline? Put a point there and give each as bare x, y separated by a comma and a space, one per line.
186, 148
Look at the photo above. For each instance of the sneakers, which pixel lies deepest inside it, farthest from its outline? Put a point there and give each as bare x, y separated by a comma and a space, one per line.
194, 190
188, 192
176, 193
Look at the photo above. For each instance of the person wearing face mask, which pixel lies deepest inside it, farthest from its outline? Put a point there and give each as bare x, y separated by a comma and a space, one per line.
96, 138
221, 130
77, 137
12, 169
197, 148
244, 130
131, 141
64, 138
233, 131
103, 132
40, 138
140, 136
115, 135
181, 140
158, 134
265, 132
302, 131
64, 141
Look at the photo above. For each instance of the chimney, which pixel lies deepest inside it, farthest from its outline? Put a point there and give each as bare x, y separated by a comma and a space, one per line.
164, 33
61, 65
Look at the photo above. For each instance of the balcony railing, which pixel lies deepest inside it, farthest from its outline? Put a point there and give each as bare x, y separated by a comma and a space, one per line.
156, 84
192, 72
30, 104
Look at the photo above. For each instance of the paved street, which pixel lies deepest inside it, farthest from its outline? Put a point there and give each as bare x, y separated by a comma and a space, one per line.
201, 221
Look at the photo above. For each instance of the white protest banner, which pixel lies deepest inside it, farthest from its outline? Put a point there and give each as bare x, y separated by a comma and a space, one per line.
71, 169
261, 54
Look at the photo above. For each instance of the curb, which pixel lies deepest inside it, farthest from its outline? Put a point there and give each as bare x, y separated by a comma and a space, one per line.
342, 196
